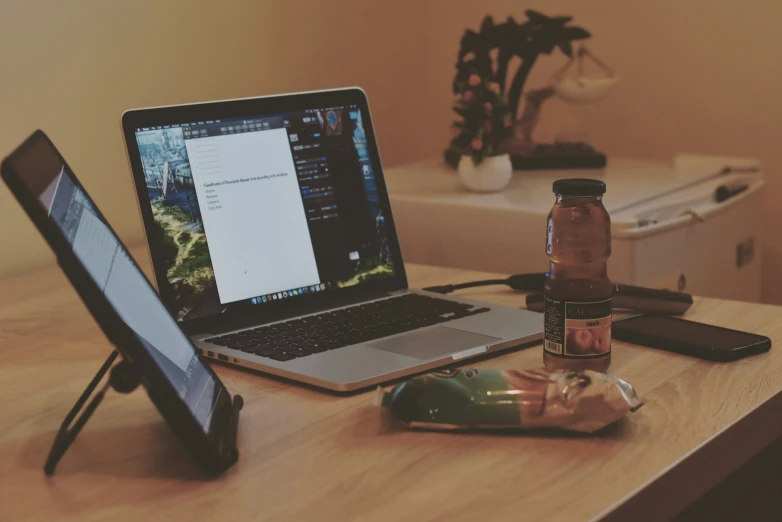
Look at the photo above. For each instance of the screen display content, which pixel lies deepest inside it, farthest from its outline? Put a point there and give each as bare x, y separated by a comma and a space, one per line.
120, 280
259, 209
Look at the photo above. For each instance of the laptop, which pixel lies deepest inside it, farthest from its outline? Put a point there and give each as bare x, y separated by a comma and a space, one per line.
273, 245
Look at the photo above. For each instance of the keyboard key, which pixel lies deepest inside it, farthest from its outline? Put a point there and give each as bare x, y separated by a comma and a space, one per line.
282, 356
259, 347
479, 311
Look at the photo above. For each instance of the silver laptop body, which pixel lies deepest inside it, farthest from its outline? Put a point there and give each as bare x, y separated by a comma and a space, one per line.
370, 363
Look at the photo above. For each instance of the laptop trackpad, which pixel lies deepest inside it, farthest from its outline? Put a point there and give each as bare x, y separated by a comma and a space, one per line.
433, 343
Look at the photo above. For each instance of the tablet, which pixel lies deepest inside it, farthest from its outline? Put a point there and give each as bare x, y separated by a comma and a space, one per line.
184, 389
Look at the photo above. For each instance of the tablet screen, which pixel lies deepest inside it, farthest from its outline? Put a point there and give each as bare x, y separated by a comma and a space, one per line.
120, 280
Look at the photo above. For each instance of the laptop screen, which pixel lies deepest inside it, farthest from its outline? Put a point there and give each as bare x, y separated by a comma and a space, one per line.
262, 208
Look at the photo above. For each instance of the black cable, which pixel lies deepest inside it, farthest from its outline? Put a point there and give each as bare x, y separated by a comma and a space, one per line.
521, 282
624, 296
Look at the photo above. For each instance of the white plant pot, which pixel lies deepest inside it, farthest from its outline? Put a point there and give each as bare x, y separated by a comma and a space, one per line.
490, 175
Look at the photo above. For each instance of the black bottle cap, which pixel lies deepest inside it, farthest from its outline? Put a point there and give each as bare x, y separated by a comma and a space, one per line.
579, 187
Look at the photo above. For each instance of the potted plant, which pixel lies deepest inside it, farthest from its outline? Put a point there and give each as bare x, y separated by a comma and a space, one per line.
489, 53
485, 123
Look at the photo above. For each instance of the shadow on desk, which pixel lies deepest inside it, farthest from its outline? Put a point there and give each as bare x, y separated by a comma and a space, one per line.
144, 450
751, 493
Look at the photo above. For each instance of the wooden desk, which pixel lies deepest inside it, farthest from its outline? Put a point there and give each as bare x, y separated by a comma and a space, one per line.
307, 455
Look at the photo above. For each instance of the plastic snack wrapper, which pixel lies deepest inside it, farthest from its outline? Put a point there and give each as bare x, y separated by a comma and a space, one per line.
583, 401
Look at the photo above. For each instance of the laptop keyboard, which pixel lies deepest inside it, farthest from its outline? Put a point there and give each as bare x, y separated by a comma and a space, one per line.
356, 324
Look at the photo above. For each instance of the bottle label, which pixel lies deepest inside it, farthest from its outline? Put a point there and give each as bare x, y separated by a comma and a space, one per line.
577, 329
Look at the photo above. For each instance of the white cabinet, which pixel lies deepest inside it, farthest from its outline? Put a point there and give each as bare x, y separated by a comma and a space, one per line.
668, 231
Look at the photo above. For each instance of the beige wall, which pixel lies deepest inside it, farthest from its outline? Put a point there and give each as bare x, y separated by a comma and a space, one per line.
696, 76
72, 67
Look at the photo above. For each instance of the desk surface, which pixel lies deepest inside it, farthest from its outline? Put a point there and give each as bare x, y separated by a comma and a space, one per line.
308, 455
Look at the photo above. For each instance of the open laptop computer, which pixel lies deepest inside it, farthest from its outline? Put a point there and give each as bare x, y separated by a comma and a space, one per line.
270, 232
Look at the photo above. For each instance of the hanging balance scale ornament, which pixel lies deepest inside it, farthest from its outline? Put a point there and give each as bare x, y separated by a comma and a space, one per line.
584, 89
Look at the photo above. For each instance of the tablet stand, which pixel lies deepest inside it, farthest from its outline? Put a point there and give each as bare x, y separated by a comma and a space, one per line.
124, 379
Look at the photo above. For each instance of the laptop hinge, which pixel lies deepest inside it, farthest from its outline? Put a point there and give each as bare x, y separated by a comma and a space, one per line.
237, 320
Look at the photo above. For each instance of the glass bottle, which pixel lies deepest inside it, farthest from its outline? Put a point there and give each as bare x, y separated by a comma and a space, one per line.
577, 291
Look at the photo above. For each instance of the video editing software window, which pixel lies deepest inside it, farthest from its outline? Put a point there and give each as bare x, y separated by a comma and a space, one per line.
257, 209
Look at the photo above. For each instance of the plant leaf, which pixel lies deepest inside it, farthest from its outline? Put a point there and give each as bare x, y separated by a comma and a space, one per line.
576, 33
462, 111
487, 25
468, 43
566, 47
536, 17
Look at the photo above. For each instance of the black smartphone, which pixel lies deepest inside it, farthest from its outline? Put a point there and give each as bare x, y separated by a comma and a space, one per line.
704, 341
186, 391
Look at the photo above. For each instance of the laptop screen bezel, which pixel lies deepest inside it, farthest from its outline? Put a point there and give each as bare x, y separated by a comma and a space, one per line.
252, 107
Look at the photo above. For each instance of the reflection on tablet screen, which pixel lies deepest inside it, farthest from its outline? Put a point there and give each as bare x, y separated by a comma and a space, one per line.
127, 290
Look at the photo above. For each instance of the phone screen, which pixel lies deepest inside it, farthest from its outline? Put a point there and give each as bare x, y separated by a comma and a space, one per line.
682, 332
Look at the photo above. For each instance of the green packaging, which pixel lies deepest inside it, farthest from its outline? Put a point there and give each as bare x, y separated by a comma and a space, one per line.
477, 398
